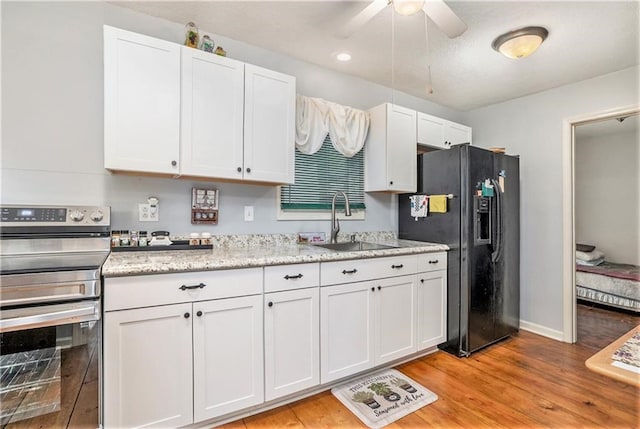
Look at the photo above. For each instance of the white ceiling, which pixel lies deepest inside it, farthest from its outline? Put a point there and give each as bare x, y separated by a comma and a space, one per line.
586, 39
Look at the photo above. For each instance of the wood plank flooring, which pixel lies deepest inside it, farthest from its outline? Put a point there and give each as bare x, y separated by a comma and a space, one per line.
524, 382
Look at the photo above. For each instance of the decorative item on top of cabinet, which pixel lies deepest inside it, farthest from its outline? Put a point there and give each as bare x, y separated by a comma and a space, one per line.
440, 133
207, 44
191, 36
390, 150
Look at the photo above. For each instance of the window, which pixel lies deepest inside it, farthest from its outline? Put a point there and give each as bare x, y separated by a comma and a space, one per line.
318, 177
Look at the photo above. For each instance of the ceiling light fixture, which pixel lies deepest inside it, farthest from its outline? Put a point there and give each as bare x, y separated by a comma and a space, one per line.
407, 7
343, 56
520, 43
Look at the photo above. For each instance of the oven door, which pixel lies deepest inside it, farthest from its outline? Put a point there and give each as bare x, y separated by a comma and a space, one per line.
49, 366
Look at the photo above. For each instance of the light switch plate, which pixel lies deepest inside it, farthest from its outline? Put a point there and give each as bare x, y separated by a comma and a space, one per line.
148, 213
248, 213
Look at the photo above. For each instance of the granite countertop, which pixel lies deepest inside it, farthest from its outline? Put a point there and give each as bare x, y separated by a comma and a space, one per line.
251, 253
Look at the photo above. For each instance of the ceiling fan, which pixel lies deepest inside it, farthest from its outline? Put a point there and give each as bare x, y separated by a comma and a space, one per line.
436, 10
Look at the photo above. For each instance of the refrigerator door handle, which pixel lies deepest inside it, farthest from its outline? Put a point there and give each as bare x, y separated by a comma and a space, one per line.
497, 253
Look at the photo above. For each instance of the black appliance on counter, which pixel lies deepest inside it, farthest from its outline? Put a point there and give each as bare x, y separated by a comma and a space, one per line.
482, 228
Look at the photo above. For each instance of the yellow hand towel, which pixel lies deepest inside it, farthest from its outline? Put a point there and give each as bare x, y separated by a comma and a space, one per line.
437, 203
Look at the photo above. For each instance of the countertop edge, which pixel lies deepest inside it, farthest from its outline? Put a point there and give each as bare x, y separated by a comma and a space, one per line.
183, 261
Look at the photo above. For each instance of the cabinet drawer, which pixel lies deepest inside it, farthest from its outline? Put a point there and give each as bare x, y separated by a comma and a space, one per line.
288, 277
160, 289
356, 270
432, 261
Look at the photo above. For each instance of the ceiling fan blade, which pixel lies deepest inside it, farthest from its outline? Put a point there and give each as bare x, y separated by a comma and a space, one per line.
363, 17
444, 18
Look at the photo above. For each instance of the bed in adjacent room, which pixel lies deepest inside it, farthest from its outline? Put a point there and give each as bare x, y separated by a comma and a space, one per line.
607, 283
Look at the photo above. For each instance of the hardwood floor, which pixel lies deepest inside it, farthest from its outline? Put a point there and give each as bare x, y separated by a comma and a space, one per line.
524, 382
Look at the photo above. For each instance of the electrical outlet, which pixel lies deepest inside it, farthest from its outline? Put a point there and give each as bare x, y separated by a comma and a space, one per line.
248, 213
148, 213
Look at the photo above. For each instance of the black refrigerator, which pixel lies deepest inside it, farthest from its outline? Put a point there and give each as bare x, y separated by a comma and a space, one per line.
482, 228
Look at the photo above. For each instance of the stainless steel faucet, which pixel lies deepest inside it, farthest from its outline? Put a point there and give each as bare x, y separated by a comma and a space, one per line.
335, 224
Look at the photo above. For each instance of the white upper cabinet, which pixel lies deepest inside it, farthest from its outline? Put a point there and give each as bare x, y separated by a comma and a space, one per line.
212, 115
269, 125
141, 102
390, 150
440, 133
171, 109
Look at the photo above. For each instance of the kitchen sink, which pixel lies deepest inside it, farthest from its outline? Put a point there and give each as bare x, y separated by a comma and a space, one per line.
354, 246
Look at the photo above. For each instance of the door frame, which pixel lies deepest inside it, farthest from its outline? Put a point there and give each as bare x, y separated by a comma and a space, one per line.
569, 318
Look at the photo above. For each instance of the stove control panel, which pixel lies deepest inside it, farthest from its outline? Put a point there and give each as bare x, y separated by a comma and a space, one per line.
54, 216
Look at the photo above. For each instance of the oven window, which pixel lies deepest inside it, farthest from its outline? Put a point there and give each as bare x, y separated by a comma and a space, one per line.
49, 376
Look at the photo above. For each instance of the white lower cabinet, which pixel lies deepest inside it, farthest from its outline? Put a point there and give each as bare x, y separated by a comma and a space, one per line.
346, 330
432, 300
148, 377
366, 324
291, 341
394, 316
183, 348
171, 365
432, 308
227, 356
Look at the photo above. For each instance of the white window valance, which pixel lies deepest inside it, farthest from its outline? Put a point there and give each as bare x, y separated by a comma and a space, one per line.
315, 118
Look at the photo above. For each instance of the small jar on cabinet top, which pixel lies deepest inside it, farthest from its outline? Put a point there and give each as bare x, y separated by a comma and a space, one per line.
134, 239
206, 239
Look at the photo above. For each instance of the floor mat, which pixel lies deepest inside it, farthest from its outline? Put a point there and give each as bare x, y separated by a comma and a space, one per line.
382, 398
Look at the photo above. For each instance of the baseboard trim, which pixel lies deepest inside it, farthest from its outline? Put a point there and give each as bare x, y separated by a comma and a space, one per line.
542, 330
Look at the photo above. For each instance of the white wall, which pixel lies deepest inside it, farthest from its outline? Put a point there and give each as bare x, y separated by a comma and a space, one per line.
532, 128
607, 186
52, 117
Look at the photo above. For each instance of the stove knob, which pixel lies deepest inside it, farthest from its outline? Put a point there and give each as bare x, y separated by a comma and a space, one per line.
76, 215
97, 216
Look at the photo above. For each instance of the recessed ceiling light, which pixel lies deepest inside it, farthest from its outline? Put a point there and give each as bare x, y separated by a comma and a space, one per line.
520, 43
343, 56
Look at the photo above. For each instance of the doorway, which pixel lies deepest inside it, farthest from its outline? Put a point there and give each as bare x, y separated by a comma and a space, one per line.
569, 210
606, 201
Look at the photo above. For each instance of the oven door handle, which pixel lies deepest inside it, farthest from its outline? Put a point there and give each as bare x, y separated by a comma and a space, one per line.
18, 319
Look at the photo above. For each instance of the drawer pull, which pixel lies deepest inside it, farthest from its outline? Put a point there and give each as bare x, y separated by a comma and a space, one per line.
187, 315
379, 287
270, 304
373, 289
199, 313
433, 262
421, 280
397, 266
185, 287
288, 277
349, 271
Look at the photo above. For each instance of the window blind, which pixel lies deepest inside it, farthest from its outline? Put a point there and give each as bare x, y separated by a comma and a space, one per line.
320, 175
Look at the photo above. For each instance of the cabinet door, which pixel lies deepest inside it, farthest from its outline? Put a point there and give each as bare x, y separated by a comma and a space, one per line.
212, 115
269, 125
395, 310
147, 367
432, 308
431, 131
401, 149
346, 330
141, 102
227, 356
292, 341
457, 133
